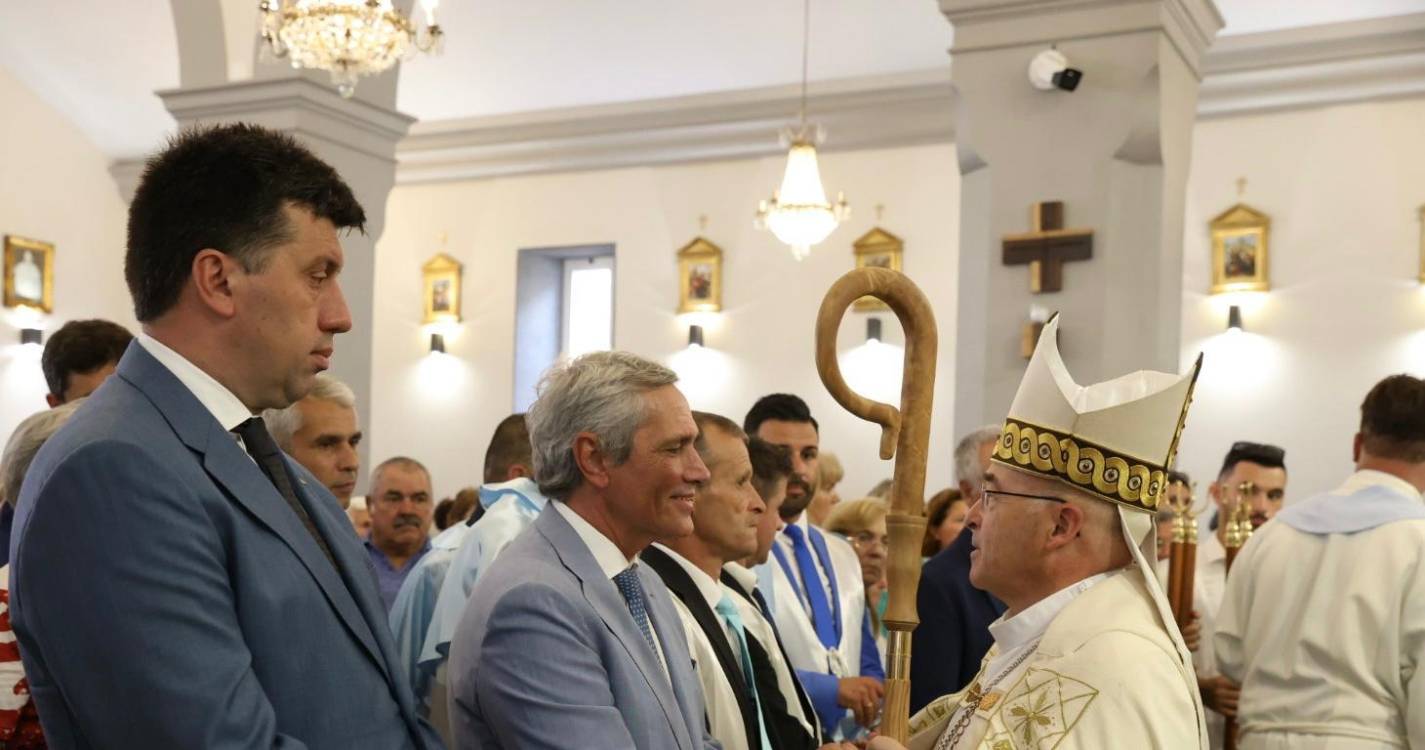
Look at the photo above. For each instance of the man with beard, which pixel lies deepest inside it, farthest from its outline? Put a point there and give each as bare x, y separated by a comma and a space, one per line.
828, 636
401, 514
1264, 467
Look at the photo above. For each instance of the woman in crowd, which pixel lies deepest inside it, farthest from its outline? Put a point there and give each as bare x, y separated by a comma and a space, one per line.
944, 520
863, 523
828, 474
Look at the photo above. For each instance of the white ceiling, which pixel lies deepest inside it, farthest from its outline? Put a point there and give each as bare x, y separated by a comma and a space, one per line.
98, 61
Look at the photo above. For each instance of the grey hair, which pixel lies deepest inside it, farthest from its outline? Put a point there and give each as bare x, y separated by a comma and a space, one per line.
284, 423
601, 393
967, 454
25, 443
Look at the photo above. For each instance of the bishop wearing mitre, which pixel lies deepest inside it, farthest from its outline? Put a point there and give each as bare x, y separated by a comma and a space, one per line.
1087, 655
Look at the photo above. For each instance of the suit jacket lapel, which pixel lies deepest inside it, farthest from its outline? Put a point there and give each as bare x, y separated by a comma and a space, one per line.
244, 482
683, 587
755, 597
608, 603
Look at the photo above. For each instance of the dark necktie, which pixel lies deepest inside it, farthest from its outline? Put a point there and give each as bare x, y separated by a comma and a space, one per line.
263, 449
821, 616
632, 591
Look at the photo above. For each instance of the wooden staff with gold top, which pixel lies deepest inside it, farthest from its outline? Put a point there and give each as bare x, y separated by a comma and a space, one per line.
1182, 558
905, 436
1234, 535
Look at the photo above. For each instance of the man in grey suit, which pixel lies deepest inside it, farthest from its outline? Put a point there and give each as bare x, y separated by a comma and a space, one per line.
567, 641
178, 582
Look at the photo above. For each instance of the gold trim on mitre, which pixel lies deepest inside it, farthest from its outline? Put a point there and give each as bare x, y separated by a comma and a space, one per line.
1114, 440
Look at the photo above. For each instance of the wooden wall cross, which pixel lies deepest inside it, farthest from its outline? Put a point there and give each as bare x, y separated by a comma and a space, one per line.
1047, 247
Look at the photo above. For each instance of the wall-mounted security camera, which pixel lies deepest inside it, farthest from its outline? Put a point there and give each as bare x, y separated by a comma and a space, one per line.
1050, 70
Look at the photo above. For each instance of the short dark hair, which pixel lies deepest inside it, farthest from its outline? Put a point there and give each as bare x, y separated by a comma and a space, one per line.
783, 407
708, 421
81, 346
508, 446
770, 462
1261, 454
223, 187
1175, 476
1393, 419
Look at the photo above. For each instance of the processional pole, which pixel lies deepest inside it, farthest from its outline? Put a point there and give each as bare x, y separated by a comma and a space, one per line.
1236, 534
905, 435
1182, 558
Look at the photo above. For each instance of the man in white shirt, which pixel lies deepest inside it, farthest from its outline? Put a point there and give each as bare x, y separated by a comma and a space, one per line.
1255, 475
567, 640
1323, 622
725, 521
829, 636
1086, 656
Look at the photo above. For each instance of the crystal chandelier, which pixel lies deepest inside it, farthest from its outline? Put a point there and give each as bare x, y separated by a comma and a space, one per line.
799, 213
347, 38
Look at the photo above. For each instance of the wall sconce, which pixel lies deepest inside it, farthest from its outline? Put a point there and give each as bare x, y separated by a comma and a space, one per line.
1234, 318
873, 330
695, 336
437, 343
31, 336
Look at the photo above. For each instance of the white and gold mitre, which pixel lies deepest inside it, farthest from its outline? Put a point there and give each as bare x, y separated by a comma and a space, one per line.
1115, 440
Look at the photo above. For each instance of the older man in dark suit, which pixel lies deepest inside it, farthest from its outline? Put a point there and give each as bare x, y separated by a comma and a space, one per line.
179, 582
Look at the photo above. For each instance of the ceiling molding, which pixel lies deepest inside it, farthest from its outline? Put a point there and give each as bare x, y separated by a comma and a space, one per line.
873, 112
1244, 74
1315, 66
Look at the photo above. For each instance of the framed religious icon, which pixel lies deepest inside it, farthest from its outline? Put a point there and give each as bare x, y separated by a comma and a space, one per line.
700, 277
442, 289
877, 249
1240, 253
29, 273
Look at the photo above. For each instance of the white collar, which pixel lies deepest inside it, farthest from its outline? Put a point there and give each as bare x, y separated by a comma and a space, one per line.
1029, 625
227, 408
1210, 550
707, 586
607, 554
1364, 478
745, 577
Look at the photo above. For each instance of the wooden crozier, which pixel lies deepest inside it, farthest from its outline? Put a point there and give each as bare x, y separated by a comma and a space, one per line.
905, 436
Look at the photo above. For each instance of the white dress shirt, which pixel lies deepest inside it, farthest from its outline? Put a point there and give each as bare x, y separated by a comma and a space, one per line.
611, 561
227, 408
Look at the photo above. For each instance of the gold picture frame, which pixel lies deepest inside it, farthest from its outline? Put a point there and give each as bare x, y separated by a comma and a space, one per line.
1241, 257
699, 277
877, 249
442, 289
29, 273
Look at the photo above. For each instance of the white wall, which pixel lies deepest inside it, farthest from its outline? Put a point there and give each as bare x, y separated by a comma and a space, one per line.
442, 409
1343, 186
55, 186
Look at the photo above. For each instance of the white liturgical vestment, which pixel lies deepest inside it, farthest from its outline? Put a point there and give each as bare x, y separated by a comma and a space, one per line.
1323, 622
1104, 674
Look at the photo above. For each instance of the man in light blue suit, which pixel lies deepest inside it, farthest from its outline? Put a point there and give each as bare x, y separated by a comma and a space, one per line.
178, 582
567, 641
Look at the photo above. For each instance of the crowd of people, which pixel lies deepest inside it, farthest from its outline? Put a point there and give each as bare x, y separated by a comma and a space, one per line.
187, 564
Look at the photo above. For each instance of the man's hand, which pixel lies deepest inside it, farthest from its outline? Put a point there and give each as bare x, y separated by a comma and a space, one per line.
862, 695
1219, 694
1192, 634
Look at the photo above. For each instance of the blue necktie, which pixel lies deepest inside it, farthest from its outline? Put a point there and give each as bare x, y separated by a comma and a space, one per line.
728, 610
815, 589
632, 591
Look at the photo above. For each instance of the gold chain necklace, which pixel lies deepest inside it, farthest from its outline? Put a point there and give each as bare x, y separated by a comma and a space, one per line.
976, 697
